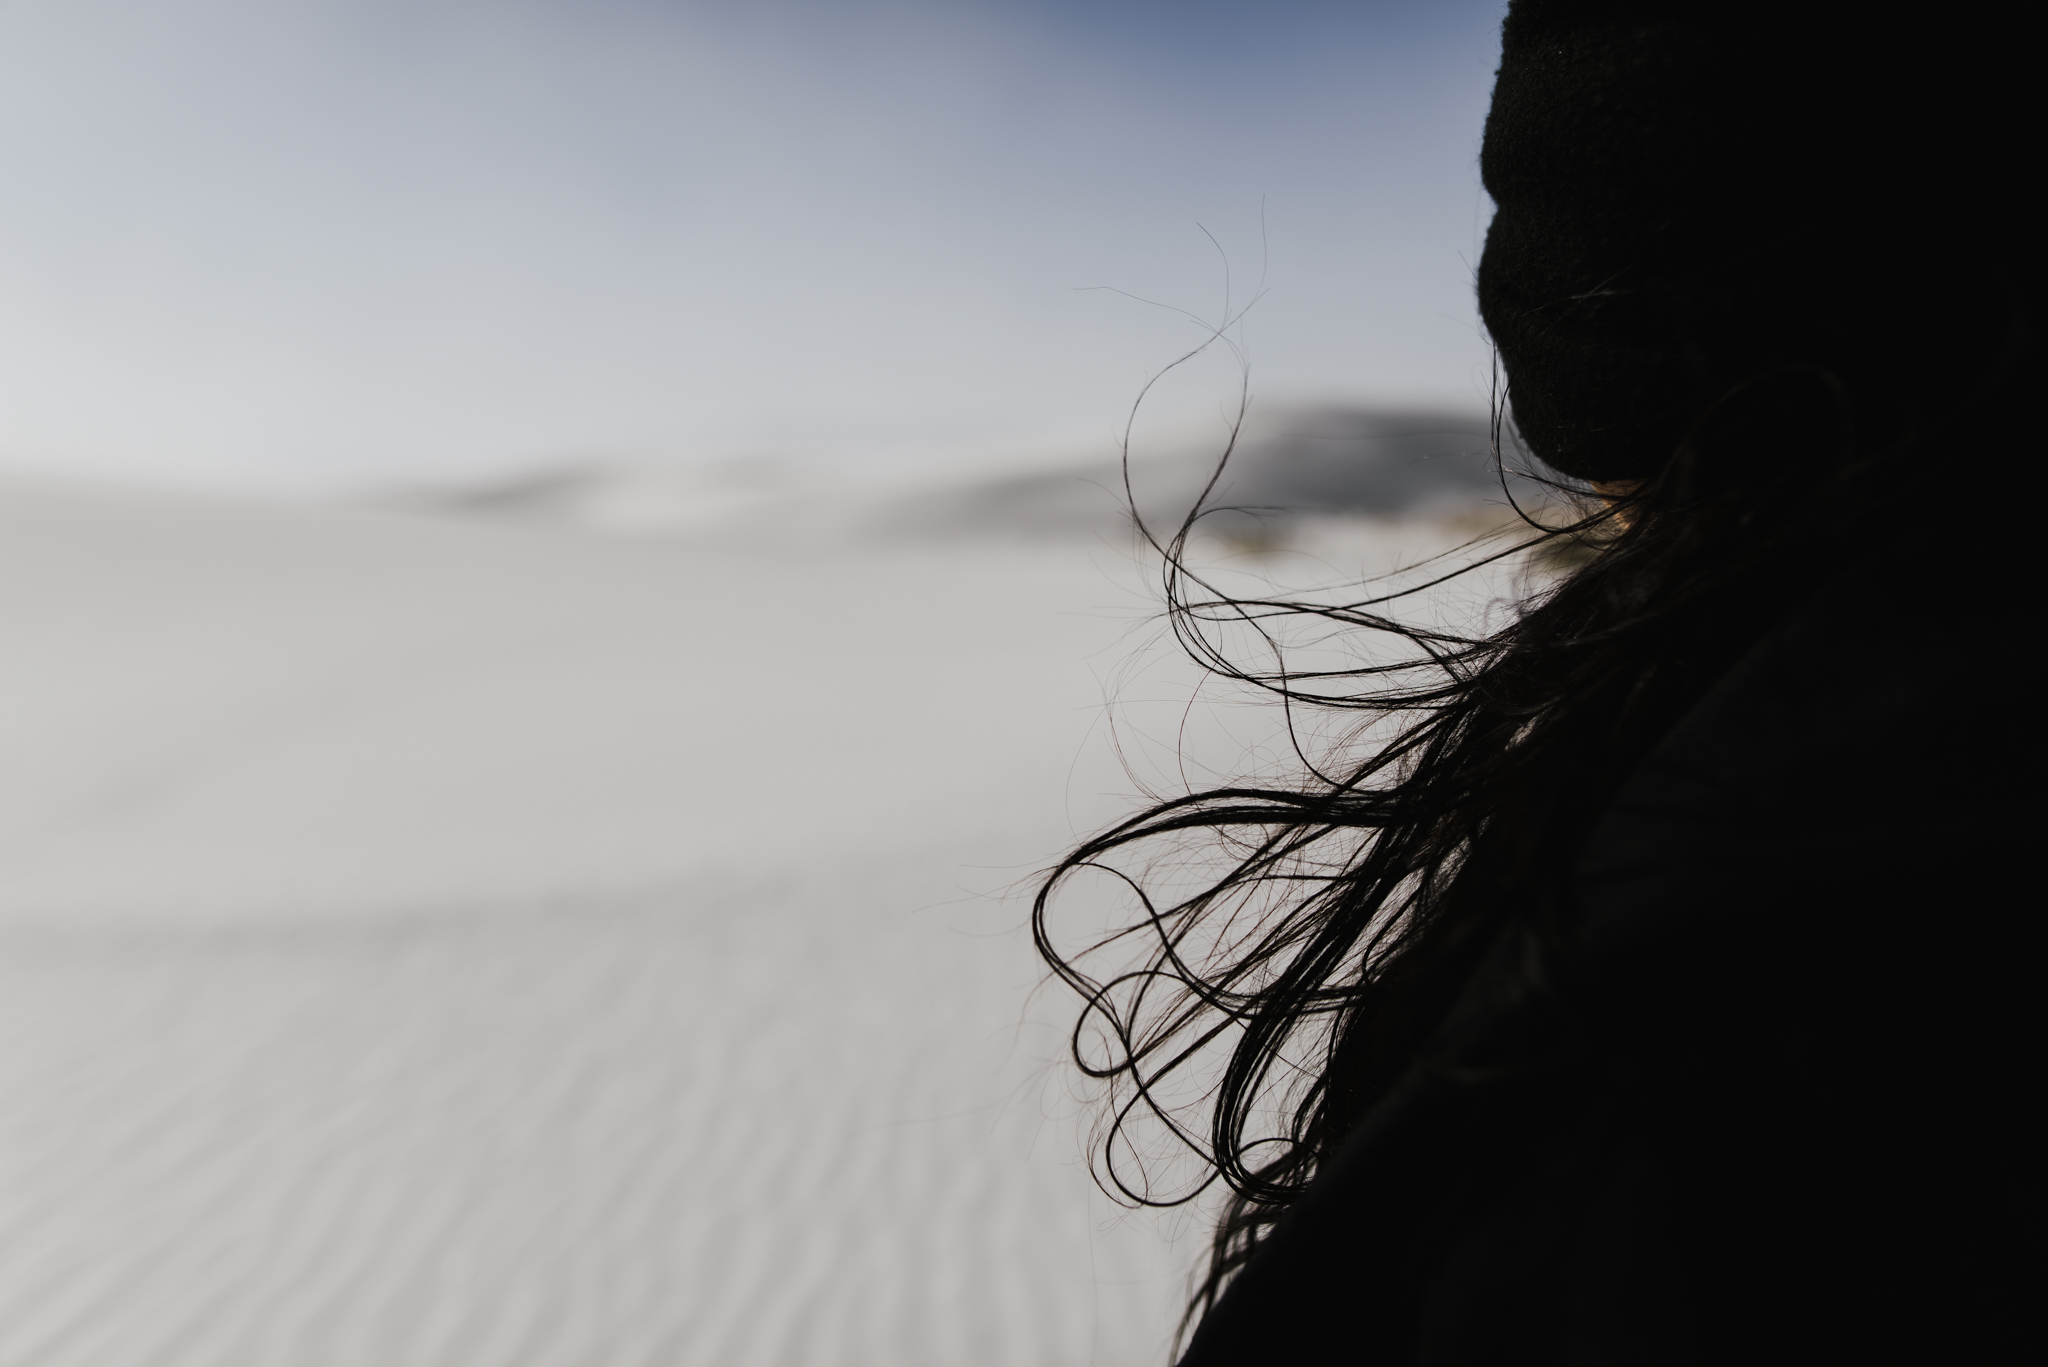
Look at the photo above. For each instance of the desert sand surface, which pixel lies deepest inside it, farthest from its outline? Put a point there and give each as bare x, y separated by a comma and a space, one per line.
442, 941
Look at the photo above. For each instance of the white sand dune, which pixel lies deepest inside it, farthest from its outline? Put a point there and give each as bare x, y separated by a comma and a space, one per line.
428, 942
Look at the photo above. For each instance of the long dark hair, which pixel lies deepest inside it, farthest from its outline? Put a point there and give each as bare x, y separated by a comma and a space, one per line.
1335, 918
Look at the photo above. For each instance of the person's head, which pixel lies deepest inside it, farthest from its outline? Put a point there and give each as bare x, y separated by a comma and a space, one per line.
1693, 197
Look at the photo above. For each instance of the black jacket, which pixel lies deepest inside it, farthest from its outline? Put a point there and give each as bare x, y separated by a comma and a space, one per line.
1770, 1104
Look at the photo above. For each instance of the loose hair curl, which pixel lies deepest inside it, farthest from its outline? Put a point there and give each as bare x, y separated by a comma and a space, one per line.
1350, 907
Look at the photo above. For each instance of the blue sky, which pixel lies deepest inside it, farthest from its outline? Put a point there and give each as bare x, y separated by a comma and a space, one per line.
311, 245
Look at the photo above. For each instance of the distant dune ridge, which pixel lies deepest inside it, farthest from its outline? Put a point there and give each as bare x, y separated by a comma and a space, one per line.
1290, 464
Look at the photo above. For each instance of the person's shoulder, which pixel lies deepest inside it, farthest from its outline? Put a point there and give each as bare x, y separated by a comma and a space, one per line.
1898, 699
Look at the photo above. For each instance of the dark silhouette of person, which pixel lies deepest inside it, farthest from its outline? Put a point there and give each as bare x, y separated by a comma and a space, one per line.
1672, 979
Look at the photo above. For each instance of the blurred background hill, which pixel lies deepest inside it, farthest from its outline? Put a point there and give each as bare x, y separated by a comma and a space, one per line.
1286, 466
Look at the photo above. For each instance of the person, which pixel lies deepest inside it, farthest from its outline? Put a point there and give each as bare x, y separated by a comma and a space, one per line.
1667, 984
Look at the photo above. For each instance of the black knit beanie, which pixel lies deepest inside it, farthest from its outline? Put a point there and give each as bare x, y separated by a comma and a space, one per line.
1693, 194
